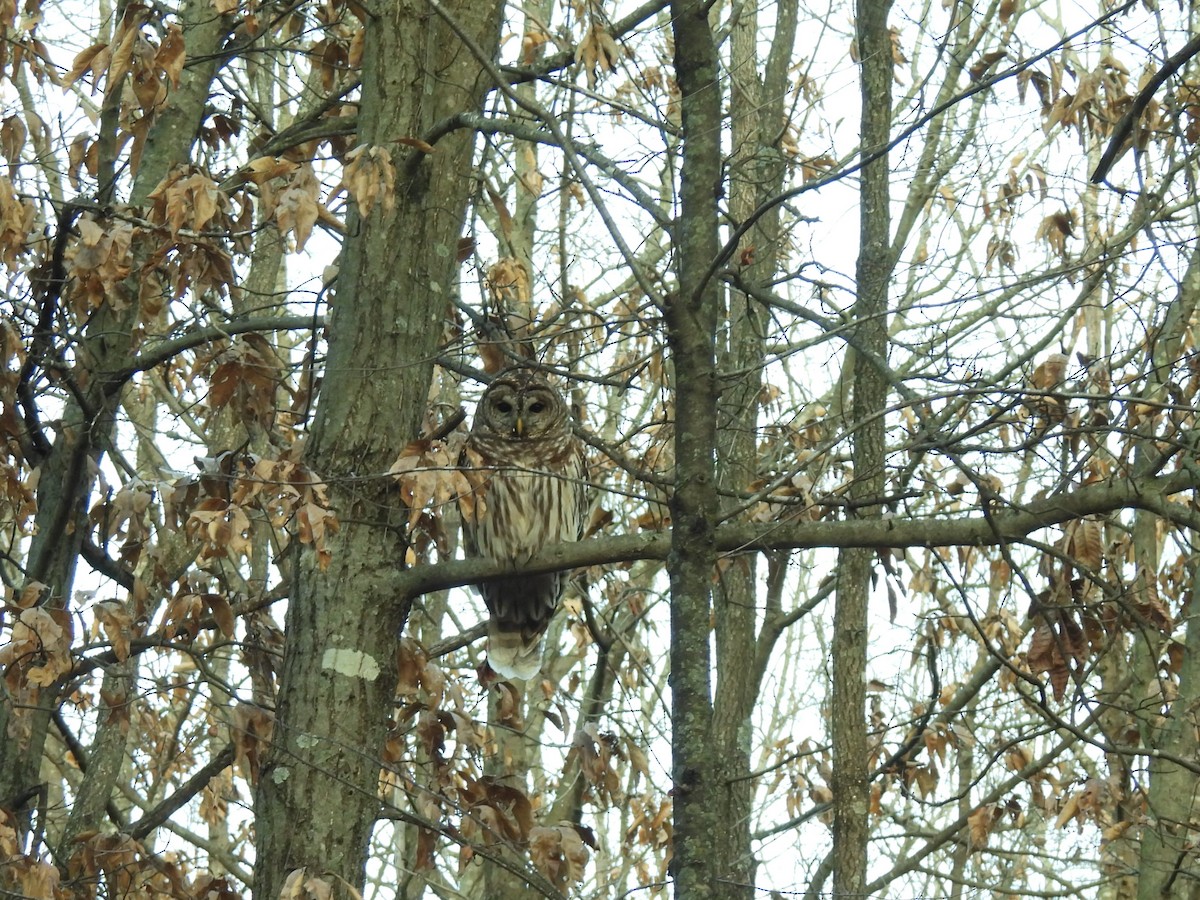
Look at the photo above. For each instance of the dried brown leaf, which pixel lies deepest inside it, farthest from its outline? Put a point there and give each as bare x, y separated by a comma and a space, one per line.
1070, 810
117, 621
417, 144
250, 733
12, 138
559, 853
370, 177
985, 62
298, 205
86, 60
1051, 372
410, 660
264, 168
979, 826
222, 613
171, 54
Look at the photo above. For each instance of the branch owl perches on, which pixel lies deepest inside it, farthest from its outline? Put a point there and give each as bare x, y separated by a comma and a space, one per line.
527, 471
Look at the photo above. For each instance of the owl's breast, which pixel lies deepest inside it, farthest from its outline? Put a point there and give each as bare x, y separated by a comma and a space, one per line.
530, 493
525, 511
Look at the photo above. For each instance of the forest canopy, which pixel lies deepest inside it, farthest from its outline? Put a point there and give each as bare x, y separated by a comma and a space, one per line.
877, 321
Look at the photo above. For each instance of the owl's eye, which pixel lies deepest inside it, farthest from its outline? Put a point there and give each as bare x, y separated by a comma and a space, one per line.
504, 406
536, 407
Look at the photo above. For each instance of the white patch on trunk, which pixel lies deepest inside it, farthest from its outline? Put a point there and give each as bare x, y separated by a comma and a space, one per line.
351, 663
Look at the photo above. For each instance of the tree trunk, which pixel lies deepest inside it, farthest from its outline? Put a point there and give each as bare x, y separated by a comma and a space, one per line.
756, 174
1167, 863
318, 790
849, 650
691, 321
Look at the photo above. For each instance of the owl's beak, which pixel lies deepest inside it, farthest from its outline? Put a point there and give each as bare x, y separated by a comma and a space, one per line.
519, 428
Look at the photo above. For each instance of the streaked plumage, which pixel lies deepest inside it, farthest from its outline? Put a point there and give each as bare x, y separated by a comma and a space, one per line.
528, 470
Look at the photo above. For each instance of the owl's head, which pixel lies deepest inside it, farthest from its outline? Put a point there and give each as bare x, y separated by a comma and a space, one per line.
521, 405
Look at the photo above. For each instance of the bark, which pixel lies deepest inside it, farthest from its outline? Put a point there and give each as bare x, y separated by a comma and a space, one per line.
870, 387
691, 318
1167, 864
516, 752
105, 758
318, 791
756, 173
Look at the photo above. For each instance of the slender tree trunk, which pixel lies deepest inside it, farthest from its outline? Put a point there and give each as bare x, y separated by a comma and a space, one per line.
516, 753
318, 791
756, 173
691, 318
849, 650
1168, 865
106, 756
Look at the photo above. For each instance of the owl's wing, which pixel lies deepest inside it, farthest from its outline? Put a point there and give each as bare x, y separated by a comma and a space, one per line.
583, 482
472, 505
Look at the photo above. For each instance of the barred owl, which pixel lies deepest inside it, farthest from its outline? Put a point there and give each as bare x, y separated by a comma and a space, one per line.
527, 471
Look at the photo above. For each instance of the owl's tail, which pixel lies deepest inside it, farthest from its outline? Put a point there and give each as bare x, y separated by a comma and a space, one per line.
514, 654
520, 609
